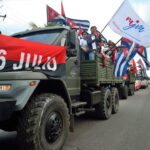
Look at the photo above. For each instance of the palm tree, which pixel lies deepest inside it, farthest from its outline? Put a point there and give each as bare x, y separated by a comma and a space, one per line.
33, 25
51, 24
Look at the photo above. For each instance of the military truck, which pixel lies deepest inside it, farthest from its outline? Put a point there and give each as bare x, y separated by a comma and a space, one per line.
41, 108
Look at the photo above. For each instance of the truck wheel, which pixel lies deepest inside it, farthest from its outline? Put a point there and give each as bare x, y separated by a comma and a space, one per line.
131, 90
103, 110
43, 124
115, 100
123, 92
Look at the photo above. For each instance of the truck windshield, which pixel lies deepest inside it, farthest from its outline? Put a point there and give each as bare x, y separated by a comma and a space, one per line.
47, 38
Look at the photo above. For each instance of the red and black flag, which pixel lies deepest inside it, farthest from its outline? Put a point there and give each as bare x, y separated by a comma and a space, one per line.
19, 55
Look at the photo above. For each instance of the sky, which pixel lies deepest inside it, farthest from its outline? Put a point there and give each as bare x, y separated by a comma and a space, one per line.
21, 12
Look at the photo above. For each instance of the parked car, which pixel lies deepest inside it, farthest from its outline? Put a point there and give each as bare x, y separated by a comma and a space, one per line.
144, 84
137, 85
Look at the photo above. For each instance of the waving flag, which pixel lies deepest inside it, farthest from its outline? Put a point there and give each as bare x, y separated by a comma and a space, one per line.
141, 68
51, 14
143, 53
140, 63
127, 23
126, 54
133, 69
54, 16
84, 24
70, 23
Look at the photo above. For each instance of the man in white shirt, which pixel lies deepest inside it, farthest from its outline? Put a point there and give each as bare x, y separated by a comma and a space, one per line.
84, 47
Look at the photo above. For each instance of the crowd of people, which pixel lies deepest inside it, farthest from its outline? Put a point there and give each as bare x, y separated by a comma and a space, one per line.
94, 43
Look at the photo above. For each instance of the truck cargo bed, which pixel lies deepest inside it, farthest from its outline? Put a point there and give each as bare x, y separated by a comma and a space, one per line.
93, 72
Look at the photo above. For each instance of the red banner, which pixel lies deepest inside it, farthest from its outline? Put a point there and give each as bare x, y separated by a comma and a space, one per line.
18, 54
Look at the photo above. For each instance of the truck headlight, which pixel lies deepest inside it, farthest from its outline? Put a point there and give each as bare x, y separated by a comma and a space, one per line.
5, 88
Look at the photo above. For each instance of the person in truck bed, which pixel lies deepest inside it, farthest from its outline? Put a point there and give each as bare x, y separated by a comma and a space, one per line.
84, 46
93, 40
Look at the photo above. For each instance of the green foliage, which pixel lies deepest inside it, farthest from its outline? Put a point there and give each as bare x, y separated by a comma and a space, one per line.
33, 25
51, 24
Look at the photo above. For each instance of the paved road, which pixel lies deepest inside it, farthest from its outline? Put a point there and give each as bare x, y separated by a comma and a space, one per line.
128, 130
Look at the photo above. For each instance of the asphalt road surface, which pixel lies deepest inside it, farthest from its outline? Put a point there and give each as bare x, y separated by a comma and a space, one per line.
127, 130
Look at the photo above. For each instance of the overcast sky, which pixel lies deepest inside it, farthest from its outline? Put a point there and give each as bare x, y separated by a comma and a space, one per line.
98, 12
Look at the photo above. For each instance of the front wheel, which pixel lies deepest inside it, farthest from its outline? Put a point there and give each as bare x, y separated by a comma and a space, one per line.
43, 124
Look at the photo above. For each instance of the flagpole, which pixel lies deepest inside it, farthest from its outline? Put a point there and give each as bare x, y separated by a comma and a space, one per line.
47, 13
104, 27
63, 12
116, 43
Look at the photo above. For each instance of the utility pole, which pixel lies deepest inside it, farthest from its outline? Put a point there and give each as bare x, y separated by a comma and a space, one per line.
2, 16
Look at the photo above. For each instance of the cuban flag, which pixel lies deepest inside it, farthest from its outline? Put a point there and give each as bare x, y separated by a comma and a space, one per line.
84, 24
141, 68
75, 23
54, 16
143, 53
126, 54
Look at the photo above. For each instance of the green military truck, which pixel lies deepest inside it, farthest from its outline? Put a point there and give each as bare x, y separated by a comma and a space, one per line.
42, 114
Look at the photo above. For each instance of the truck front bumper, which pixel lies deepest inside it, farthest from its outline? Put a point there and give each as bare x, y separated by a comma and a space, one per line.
6, 108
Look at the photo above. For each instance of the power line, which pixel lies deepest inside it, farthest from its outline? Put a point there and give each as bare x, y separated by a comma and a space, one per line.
12, 15
15, 20
15, 14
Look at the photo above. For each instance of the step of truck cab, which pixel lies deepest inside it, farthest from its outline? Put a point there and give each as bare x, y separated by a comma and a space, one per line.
79, 113
78, 104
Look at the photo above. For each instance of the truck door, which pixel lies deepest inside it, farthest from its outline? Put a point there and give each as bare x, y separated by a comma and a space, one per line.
72, 64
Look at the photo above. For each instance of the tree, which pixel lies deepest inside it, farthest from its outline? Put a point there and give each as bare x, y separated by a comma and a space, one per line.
33, 25
51, 24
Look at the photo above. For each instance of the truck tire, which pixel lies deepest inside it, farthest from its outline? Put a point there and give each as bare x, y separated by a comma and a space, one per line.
123, 92
131, 90
103, 110
115, 100
43, 124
